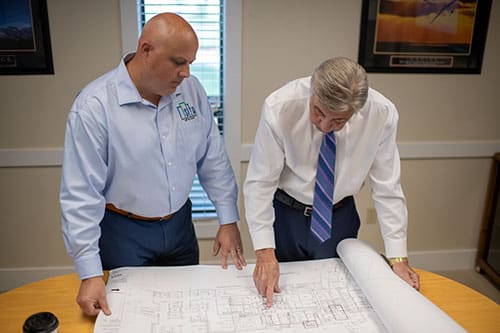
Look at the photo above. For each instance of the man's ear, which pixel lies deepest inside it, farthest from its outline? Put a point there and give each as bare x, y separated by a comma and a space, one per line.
145, 47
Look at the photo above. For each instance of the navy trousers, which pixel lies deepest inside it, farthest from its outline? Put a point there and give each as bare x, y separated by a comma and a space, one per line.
129, 242
294, 239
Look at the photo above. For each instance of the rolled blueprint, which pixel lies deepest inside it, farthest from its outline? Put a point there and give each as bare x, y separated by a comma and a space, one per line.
400, 307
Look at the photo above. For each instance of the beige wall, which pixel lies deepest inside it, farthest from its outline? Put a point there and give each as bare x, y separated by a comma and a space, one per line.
285, 39
282, 40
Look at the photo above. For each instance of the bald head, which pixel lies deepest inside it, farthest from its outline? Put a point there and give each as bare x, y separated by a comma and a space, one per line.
166, 28
166, 49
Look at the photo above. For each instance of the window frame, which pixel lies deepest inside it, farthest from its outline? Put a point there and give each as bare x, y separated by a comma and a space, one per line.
207, 228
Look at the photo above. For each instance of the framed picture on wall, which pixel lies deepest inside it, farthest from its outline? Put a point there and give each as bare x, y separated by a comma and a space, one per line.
423, 36
24, 38
488, 252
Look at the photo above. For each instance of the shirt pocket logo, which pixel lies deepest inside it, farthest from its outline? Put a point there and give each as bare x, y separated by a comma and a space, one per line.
186, 111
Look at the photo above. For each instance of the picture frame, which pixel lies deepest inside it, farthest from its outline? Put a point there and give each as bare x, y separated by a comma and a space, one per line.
25, 46
488, 253
423, 36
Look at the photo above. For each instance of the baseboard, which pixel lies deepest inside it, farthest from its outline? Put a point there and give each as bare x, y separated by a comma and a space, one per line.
433, 261
14, 277
450, 260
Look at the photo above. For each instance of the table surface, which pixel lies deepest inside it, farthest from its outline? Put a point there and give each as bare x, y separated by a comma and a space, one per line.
472, 310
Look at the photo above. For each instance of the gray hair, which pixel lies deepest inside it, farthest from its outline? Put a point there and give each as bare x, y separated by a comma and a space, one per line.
340, 84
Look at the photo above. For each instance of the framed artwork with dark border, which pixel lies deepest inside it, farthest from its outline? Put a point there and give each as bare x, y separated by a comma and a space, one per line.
25, 38
488, 252
423, 36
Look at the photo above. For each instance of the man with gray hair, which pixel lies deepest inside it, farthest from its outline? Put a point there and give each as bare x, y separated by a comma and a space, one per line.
318, 139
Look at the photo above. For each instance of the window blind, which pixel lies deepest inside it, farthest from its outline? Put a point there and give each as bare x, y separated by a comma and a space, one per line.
207, 19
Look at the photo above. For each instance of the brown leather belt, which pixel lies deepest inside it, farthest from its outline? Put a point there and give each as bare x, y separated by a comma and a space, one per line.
117, 210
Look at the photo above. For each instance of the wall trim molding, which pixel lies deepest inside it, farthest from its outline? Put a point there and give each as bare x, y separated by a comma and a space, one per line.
34, 157
434, 261
448, 149
41, 157
411, 150
53, 157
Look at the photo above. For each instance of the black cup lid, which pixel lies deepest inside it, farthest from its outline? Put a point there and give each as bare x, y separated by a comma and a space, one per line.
41, 322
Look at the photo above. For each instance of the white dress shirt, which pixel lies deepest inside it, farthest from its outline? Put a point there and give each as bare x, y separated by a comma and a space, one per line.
285, 155
122, 149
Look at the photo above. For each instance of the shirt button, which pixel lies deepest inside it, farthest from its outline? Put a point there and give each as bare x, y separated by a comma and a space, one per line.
169, 163
173, 188
163, 137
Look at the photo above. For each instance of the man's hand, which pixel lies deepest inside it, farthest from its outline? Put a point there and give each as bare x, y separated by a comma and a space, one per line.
266, 274
92, 296
228, 241
404, 271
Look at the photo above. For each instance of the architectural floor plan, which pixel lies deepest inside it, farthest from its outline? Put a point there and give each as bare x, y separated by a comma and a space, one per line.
316, 296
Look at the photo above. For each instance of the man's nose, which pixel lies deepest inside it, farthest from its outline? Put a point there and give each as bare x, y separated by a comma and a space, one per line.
326, 127
185, 71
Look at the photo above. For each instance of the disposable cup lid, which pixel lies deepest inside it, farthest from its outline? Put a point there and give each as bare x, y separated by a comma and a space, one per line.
41, 322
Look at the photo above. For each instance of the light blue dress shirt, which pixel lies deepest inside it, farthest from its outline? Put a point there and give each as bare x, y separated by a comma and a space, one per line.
120, 148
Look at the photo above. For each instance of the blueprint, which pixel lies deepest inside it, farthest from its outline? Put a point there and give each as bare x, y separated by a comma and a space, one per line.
316, 296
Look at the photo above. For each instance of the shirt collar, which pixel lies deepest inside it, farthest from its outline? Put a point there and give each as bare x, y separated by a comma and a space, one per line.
126, 89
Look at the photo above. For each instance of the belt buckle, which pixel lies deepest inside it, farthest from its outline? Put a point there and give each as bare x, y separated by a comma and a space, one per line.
307, 211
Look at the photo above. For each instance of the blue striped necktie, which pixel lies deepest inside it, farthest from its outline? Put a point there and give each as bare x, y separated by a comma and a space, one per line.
321, 219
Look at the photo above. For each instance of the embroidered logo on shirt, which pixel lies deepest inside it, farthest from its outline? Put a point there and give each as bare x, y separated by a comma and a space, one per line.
186, 111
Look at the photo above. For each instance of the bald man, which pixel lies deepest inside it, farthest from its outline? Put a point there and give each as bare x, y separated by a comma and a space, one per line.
135, 139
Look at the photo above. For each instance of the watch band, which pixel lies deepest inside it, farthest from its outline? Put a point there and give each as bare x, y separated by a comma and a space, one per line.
396, 260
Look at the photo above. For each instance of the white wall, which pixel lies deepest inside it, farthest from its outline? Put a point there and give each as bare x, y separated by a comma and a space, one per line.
449, 124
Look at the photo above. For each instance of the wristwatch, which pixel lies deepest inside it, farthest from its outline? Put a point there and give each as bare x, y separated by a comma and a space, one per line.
396, 260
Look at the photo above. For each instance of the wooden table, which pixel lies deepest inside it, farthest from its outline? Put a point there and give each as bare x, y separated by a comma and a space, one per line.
472, 310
